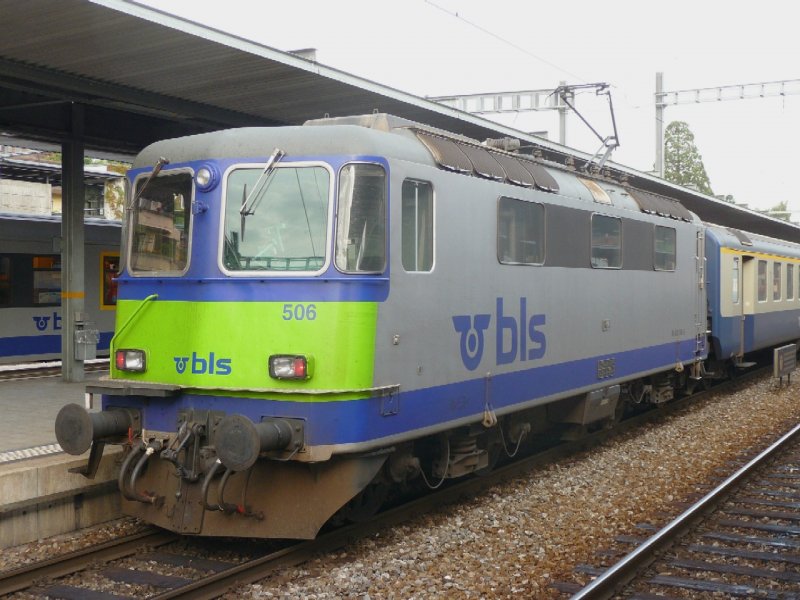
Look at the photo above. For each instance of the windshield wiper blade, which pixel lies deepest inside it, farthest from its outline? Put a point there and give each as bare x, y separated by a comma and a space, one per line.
250, 203
156, 170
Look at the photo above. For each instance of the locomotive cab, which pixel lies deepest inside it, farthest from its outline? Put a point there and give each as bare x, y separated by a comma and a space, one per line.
242, 311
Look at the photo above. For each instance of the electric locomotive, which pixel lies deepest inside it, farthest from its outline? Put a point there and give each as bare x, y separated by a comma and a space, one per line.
309, 317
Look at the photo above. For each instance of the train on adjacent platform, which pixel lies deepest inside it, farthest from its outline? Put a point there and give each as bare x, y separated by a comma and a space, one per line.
311, 317
30, 285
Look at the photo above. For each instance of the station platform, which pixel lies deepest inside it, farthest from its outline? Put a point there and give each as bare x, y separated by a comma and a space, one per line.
39, 495
29, 408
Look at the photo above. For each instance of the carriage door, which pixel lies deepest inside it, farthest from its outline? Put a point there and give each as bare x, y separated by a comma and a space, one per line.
745, 282
701, 313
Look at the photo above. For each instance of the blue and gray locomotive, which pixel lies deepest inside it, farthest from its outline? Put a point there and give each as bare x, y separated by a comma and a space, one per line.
310, 316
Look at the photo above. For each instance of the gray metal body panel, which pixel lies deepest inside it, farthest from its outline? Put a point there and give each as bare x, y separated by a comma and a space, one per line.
641, 307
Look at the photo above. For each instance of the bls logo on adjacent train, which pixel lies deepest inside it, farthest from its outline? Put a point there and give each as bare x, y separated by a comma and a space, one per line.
201, 365
516, 337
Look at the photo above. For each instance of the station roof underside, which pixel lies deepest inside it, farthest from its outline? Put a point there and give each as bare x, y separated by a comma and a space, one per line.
142, 75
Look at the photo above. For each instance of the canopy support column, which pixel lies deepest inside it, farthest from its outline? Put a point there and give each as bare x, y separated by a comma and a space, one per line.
73, 293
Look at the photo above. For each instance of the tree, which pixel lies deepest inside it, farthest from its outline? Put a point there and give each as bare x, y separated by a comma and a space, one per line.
682, 161
779, 211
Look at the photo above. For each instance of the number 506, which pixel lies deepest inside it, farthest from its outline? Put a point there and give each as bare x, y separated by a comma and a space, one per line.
299, 312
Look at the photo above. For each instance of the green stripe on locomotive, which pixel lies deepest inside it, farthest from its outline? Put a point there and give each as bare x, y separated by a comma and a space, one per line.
226, 345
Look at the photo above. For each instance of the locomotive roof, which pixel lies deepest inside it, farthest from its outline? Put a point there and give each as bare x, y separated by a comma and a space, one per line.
398, 138
295, 140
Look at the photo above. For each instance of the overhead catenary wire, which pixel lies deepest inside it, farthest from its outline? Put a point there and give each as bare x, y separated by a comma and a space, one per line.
505, 41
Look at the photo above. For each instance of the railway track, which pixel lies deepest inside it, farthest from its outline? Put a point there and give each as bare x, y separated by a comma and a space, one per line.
148, 564
740, 540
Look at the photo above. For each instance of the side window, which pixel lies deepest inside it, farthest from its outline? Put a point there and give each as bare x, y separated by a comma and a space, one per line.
520, 232
361, 224
664, 257
735, 281
776, 281
417, 218
5, 281
46, 280
606, 242
762, 281
108, 284
789, 282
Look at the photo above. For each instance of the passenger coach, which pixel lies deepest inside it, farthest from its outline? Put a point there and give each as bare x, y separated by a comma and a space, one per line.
754, 302
30, 285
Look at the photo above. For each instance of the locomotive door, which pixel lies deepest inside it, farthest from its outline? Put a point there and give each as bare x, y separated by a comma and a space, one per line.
744, 292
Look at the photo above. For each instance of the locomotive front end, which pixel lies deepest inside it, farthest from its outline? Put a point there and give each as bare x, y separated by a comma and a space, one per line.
245, 335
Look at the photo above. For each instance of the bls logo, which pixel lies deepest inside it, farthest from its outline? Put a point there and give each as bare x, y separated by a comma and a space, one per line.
200, 366
43, 321
471, 330
514, 338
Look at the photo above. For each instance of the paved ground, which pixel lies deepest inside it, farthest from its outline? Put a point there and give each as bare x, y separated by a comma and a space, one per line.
28, 409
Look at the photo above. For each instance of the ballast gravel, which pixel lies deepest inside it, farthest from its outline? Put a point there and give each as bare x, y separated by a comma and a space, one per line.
519, 537
515, 540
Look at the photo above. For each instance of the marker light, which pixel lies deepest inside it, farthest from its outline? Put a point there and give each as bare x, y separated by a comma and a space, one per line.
290, 366
130, 360
206, 177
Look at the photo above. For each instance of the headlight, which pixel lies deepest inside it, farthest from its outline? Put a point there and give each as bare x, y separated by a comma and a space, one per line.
206, 177
130, 360
290, 366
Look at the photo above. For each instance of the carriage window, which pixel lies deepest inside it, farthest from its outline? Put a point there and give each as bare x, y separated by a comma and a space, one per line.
520, 232
735, 281
278, 221
776, 281
417, 209
606, 242
762, 281
361, 226
109, 265
160, 224
789, 282
5, 281
664, 258
46, 280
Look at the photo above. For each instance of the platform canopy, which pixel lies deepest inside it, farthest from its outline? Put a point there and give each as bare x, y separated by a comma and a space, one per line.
140, 75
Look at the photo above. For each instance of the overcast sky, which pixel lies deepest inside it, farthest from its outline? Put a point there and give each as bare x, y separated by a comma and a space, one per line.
448, 47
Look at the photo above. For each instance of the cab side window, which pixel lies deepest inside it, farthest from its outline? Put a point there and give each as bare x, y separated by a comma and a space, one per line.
417, 218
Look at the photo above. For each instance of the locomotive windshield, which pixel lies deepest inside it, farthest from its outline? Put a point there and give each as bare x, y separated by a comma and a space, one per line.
284, 227
160, 222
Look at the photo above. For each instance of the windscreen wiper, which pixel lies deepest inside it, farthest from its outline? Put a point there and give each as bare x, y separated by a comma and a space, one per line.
250, 204
251, 201
153, 174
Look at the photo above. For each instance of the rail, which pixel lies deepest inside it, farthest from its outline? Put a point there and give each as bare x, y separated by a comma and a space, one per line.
607, 584
21, 578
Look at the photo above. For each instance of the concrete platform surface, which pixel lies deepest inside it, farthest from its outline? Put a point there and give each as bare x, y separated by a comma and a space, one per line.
28, 409
40, 495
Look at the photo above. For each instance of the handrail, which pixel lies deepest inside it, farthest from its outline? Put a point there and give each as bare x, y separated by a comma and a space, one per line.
118, 334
